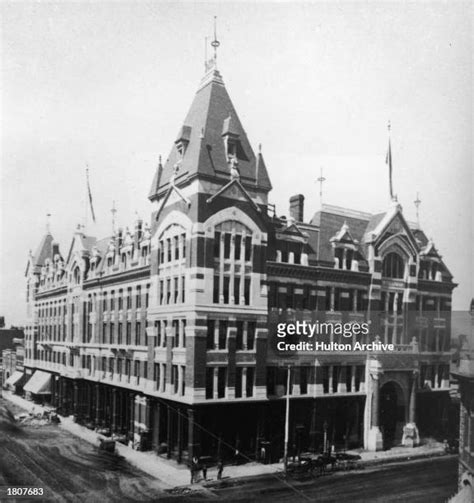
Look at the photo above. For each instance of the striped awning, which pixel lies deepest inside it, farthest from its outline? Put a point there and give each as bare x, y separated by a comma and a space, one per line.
39, 384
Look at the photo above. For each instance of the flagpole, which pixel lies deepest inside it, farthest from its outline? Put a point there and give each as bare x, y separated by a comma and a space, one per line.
388, 161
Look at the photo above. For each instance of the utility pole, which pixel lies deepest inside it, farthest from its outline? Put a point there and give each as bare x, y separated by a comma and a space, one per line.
287, 421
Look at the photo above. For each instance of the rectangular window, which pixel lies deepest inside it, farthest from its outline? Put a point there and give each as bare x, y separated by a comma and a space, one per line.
222, 333
183, 335
120, 333
120, 300
147, 296
104, 302
226, 289
210, 334
237, 290
227, 238
129, 333
129, 298
156, 375
136, 370
139, 297
111, 340
239, 340
168, 249
250, 380
251, 326
183, 382
175, 333
161, 252
119, 366
176, 247
209, 382
238, 382
248, 248
176, 290
161, 292
183, 236
168, 290
183, 290
238, 243
217, 244
112, 300
163, 377
138, 329
215, 292
174, 378
247, 291
221, 382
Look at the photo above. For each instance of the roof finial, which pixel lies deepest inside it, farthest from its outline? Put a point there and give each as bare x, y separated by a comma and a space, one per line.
321, 180
215, 43
388, 161
417, 203
113, 211
206, 62
48, 223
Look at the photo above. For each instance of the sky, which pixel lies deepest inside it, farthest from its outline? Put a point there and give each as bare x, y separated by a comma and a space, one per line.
107, 85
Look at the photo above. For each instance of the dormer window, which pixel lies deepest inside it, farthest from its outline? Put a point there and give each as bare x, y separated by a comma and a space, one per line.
183, 140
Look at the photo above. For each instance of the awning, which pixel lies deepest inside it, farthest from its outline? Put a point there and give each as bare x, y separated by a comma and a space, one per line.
39, 384
14, 378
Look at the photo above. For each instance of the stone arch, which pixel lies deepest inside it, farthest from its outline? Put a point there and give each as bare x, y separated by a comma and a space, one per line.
233, 213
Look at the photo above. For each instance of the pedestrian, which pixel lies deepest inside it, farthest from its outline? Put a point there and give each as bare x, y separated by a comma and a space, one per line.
220, 469
204, 471
194, 469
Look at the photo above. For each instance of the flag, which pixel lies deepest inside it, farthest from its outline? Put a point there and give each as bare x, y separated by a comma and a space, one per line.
388, 161
90, 196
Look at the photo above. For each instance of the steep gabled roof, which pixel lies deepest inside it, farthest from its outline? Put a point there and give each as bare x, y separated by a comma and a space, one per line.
211, 117
44, 251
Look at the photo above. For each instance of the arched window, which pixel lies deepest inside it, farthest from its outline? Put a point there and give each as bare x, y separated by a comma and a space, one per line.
77, 276
393, 266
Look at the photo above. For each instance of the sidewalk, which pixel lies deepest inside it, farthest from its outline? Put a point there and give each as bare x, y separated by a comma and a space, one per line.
173, 474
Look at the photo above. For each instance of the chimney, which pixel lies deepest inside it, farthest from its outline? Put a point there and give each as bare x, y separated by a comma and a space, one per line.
297, 207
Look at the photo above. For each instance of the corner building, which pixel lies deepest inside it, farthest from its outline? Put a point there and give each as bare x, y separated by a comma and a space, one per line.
167, 333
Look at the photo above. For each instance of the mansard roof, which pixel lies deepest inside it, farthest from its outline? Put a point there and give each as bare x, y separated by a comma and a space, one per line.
210, 119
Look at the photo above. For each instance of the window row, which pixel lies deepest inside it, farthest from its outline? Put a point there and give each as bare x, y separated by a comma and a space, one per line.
121, 299
231, 289
178, 333
122, 333
172, 248
234, 246
172, 290
216, 382
217, 335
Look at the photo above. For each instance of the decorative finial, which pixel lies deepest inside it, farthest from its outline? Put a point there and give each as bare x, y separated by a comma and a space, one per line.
417, 203
215, 43
206, 62
388, 161
321, 180
48, 222
113, 211
259, 148
159, 160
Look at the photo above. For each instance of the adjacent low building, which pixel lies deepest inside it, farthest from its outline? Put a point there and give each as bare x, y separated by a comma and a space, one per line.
167, 331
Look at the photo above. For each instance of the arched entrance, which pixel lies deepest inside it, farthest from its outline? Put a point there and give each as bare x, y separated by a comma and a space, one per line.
392, 414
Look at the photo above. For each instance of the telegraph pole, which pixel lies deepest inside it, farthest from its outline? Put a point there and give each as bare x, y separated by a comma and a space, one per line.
287, 421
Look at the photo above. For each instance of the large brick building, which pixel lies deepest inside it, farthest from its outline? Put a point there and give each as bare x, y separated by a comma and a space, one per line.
166, 332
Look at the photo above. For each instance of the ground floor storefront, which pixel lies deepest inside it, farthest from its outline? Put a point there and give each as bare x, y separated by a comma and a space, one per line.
241, 431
